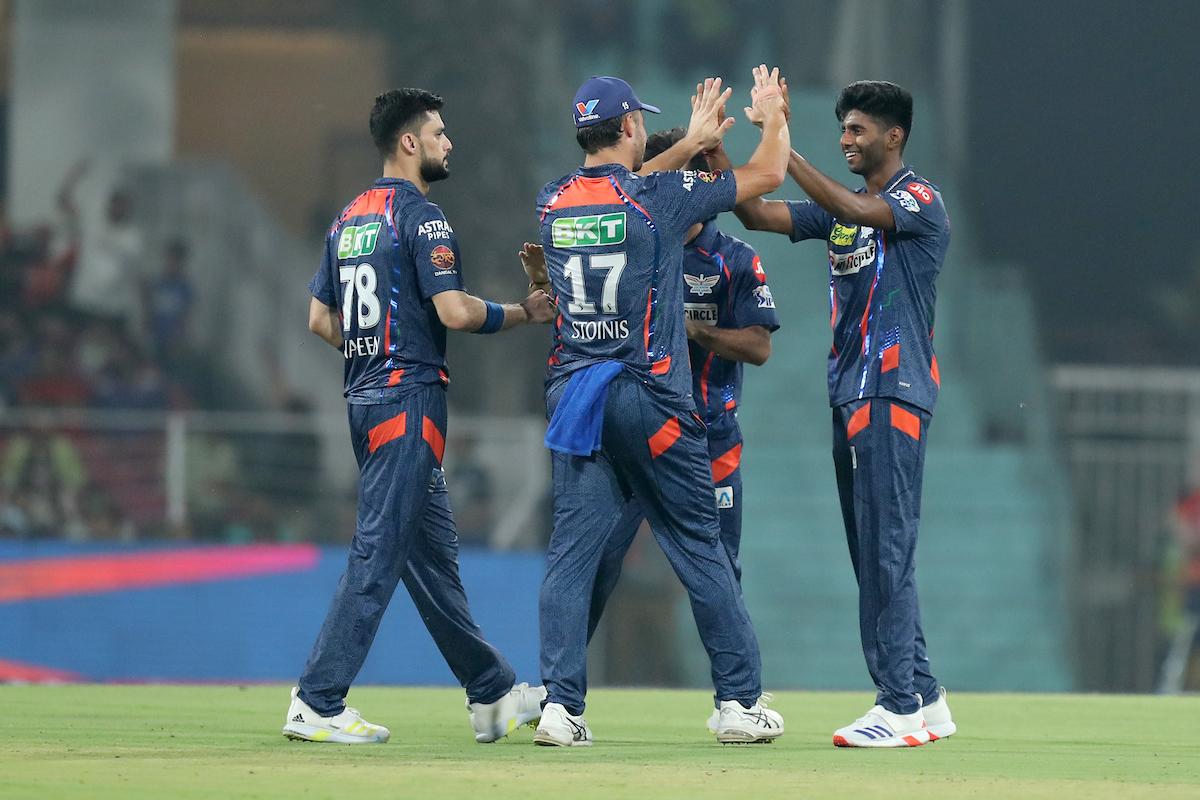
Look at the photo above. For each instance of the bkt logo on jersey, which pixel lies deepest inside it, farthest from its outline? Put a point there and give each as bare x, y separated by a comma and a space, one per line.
591, 231
358, 240
701, 285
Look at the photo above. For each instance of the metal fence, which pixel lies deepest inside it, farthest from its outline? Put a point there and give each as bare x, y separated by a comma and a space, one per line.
1132, 438
241, 477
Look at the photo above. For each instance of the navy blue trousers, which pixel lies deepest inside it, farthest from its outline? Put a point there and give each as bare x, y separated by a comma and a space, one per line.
725, 457
654, 453
404, 531
879, 458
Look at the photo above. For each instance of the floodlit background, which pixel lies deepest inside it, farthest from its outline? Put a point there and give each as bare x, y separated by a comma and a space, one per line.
176, 484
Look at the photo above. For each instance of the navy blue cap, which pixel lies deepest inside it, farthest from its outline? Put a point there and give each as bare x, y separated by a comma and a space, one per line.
602, 97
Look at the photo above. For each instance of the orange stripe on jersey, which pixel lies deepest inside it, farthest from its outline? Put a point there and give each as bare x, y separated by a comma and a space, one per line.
431, 434
661, 367
369, 203
858, 420
730, 405
891, 358
646, 325
395, 377
906, 421
935, 373
386, 431
727, 463
666, 436
584, 191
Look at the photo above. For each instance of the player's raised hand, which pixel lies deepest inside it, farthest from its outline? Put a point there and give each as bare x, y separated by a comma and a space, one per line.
538, 307
756, 115
766, 97
533, 260
708, 124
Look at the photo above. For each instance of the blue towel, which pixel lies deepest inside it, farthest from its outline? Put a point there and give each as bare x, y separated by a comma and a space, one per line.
578, 420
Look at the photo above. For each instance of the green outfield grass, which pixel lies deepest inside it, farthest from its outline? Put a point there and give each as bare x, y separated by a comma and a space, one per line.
179, 742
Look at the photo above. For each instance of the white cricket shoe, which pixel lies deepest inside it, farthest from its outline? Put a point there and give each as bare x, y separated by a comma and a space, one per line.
714, 719
938, 721
560, 729
738, 725
348, 727
522, 705
881, 728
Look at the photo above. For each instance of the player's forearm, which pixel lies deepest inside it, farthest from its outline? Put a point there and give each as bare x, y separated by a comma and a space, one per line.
674, 157
326, 323
751, 345
847, 206
767, 167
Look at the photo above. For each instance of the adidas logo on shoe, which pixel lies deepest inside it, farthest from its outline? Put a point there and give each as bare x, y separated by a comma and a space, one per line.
298, 718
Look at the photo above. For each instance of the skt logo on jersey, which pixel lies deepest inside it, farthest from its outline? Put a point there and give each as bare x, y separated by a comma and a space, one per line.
852, 262
843, 235
704, 313
763, 295
358, 240
442, 258
591, 231
701, 285
435, 229
907, 201
724, 496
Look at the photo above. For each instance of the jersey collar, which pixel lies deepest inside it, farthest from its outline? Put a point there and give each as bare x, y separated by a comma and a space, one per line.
707, 238
397, 183
903, 174
600, 170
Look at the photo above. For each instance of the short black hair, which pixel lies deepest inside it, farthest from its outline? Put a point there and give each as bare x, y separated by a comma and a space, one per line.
884, 101
659, 142
398, 111
595, 138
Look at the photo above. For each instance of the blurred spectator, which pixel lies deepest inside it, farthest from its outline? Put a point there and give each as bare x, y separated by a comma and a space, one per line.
18, 355
106, 276
42, 474
169, 300
1181, 669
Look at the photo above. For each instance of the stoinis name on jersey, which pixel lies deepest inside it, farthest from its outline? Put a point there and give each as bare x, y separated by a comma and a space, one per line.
600, 329
358, 240
435, 229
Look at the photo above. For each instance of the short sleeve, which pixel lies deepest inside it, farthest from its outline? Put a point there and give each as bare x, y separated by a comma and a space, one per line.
688, 196
322, 285
809, 220
749, 295
434, 250
918, 210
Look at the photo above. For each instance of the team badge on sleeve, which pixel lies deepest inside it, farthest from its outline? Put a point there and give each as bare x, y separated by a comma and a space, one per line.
442, 257
907, 201
763, 295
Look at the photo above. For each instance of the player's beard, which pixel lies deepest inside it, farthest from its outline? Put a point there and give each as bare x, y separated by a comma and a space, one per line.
434, 170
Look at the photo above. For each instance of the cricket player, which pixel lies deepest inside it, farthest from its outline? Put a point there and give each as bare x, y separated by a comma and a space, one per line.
389, 285
887, 242
730, 318
622, 419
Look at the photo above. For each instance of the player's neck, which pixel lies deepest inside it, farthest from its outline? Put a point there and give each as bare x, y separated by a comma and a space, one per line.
610, 155
878, 179
395, 169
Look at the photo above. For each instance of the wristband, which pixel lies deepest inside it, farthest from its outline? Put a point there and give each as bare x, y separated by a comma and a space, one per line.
494, 320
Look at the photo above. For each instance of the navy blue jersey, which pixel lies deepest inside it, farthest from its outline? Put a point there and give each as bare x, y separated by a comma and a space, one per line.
726, 286
881, 293
386, 256
614, 248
